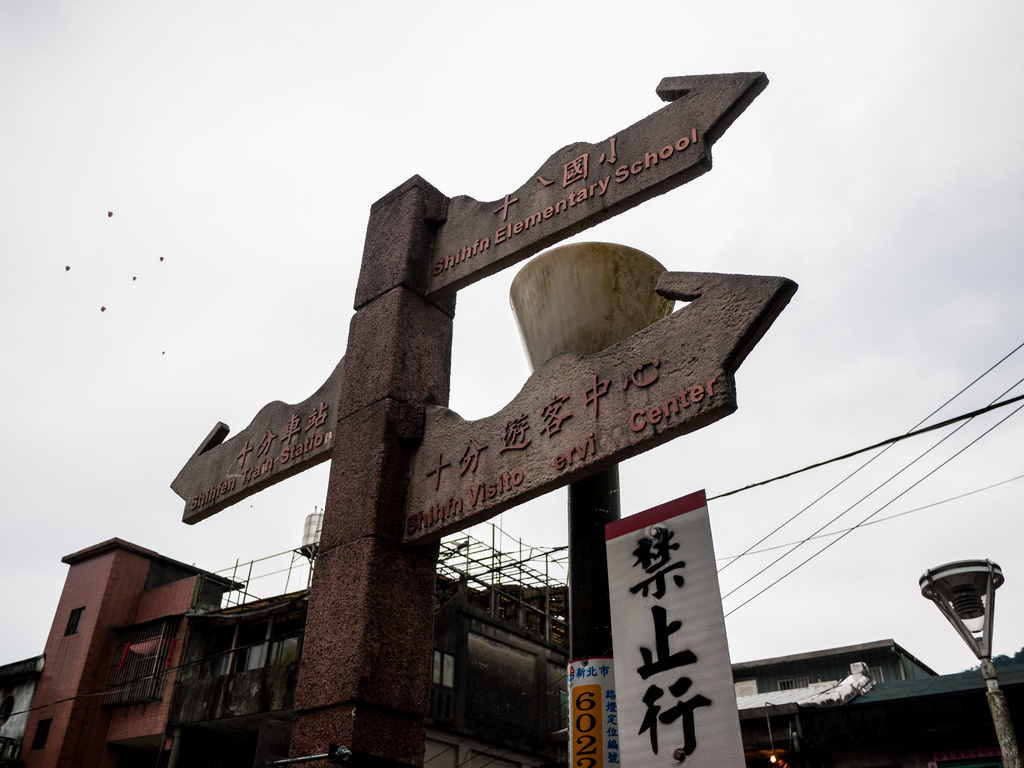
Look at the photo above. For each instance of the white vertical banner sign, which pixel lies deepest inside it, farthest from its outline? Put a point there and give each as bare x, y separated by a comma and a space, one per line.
593, 730
676, 701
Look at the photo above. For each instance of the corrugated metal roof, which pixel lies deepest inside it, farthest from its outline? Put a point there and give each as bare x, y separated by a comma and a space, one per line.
877, 645
940, 685
778, 698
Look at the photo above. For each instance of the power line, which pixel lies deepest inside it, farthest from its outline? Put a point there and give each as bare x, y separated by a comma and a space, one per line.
889, 441
882, 485
732, 558
862, 522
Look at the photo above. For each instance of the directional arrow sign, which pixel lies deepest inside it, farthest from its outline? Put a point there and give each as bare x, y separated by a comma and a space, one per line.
281, 441
583, 184
577, 414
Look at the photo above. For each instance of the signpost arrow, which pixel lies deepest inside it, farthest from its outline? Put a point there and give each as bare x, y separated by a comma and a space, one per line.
583, 184
281, 441
577, 414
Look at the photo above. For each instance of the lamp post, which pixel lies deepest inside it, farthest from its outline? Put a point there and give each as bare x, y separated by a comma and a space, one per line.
965, 593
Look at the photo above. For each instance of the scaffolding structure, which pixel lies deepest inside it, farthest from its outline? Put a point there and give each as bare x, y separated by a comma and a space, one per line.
507, 579
503, 577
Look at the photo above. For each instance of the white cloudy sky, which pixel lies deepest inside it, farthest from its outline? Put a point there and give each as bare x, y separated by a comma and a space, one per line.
243, 142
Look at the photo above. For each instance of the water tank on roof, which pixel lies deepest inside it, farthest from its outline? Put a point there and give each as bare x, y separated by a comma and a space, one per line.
311, 534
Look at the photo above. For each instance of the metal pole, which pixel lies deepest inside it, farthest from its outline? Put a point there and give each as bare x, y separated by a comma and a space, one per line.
1000, 716
593, 502
338, 754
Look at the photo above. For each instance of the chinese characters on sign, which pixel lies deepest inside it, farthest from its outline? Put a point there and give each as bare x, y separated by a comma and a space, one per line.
561, 432
594, 730
575, 174
675, 690
578, 414
281, 440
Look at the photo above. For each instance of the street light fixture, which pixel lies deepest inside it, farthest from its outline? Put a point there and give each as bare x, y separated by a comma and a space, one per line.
965, 593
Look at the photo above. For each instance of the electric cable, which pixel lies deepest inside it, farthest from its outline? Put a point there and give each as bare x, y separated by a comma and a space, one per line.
888, 443
892, 440
873, 522
882, 485
844, 535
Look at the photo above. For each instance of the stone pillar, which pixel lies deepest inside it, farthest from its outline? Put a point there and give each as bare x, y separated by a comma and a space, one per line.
364, 681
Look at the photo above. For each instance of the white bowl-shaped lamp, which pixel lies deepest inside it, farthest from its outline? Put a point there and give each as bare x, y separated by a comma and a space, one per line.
585, 297
964, 592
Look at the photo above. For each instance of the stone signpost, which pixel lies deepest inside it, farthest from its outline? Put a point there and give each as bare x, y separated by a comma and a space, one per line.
406, 470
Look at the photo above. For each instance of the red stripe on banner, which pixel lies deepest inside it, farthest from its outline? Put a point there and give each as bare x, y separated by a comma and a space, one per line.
655, 515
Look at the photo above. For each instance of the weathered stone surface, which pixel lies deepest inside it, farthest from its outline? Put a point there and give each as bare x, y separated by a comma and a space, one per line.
366, 729
281, 441
399, 347
398, 236
380, 440
578, 415
373, 615
583, 184
371, 603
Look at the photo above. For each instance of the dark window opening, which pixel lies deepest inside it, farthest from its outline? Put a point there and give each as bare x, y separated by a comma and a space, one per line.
217, 651
6, 709
444, 669
286, 638
42, 733
253, 644
74, 622
794, 683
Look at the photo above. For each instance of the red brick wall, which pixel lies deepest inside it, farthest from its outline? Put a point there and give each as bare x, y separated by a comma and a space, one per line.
169, 600
110, 588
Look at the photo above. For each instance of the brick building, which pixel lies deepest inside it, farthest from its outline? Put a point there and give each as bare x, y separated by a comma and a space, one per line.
151, 662
110, 655
18, 683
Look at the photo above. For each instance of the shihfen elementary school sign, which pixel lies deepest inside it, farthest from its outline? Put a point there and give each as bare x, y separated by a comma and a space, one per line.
576, 414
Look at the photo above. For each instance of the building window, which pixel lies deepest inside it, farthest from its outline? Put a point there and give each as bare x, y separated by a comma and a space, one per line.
142, 657
285, 650
876, 674
74, 622
444, 669
745, 688
42, 732
793, 683
6, 709
286, 638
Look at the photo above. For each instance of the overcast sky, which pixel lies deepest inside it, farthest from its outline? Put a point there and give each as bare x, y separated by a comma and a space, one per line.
239, 146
